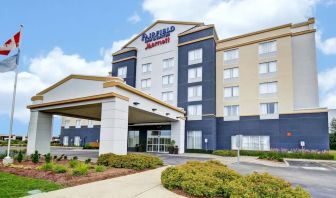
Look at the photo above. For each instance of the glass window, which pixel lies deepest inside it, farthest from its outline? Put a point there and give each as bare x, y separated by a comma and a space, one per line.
146, 83
231, 92
194, 140
77, 141
195, 92
167, 96
65, 141
267, 67
195, 56
66, 124
78, 123
90, 124
252, 143
122, 72
269, 108
195, 74
133, 138
146, 68
195, 110
231, 55
168, 63
168, 79
232, 110
231, 73
267, 47
268, 88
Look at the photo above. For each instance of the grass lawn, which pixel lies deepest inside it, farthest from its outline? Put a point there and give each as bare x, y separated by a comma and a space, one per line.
18, 186
333, 152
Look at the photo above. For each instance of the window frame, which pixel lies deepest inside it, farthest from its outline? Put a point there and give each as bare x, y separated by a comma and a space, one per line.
195, 59
197, 108
146, 80
148, 67
196, 144
197, 91
124, 72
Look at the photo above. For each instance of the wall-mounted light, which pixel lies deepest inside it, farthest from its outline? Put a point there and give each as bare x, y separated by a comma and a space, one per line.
154, 110
136, 103
167, 114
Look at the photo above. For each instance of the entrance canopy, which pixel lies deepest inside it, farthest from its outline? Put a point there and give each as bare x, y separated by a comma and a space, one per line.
106, 99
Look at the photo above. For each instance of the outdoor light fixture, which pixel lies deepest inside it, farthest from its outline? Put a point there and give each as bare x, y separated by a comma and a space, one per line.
154, 109
136, 103
167, 114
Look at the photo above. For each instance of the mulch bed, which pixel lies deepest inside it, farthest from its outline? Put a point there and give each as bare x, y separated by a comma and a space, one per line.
65, 179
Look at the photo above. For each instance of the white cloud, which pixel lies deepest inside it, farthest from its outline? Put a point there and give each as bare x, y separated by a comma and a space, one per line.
327, 46
233, 17
327, 87
135, 18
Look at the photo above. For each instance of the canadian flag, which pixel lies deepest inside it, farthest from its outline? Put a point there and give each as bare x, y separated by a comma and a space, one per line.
10, 44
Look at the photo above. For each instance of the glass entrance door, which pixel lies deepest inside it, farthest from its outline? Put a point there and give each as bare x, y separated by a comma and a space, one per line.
158, 141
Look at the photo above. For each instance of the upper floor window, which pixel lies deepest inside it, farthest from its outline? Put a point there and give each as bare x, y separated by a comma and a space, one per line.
267, 67
231, 73
168, 79
122, 72
146, 83
195, 93
194, 74
268, 88
231, 55
90, 124
78, 123
168, 63
195, 112
267, 47
167, 96
146, 68
269, 108
230, 92
66, 124
231, 111
195, 56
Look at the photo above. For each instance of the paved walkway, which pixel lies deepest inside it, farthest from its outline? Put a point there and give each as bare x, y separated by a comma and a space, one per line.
141, 185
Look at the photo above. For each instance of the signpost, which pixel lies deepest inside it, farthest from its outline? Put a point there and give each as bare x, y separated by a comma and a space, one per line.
239, 140
206, 144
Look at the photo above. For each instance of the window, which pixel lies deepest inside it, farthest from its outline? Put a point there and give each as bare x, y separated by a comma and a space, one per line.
231, 55
133, 138
195, 93
65, 141
168, 63
167, 96
78, 123
269, 108
194, 140
231, 73
195, 56
252, 143
268, 67
268, 47
146, 68
90, 124
77, 141
122, 72
168, 79
195, 112
146, 83
268, 88
232, 110
195, 74
230, 92
66, 124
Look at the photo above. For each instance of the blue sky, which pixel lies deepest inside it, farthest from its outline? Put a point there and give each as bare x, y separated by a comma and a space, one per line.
73, 36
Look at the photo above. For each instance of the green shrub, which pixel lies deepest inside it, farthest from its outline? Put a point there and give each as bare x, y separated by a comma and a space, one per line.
132, 161
88, 161
59, 168
19, 157
47, 158
228, 153
213, 179
100, 168
35, 157
73, 163
46, 167
75, 158
198, 151
80, 169
332, 141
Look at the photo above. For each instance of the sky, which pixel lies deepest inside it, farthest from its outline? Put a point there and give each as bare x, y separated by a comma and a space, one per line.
78, 37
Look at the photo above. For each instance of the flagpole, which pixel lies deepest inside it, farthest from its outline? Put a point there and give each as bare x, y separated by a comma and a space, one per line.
13, 102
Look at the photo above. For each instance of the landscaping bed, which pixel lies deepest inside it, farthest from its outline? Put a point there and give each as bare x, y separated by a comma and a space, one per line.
213, 179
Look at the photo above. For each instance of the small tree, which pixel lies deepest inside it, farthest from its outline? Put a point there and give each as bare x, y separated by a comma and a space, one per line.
35, 157
332, 141
333, 126
20, 156
47, 158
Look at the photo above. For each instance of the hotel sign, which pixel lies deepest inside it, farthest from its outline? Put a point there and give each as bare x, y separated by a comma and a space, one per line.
158, 37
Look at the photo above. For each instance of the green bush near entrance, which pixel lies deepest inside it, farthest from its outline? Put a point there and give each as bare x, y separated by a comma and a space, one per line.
131, 161
213, 179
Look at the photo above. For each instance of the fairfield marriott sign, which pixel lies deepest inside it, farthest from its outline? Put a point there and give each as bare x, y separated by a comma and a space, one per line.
158, 37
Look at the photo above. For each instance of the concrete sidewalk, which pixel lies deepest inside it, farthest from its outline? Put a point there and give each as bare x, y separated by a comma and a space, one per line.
141, 185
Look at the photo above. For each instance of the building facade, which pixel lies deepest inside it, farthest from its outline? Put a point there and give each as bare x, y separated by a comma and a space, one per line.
262, 85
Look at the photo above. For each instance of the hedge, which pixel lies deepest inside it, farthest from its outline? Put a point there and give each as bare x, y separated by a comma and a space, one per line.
132, 161
213, 179
198, 151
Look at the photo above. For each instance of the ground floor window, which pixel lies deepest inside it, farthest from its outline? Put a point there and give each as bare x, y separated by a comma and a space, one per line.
252, 143
77, 141
194, 140
133, 138
65, 141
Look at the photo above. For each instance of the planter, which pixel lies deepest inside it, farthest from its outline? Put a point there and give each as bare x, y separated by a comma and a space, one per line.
176, 149
171, 149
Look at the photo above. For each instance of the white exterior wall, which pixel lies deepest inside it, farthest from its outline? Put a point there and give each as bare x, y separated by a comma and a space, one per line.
155, 56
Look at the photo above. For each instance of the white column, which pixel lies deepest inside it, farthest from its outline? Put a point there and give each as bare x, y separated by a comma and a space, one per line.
177, 134
39, 132
114, 127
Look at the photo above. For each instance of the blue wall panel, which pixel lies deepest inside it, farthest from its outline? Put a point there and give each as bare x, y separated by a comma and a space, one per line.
87, 134
131, 70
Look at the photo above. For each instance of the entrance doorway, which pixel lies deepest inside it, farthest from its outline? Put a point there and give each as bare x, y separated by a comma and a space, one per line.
158, 141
